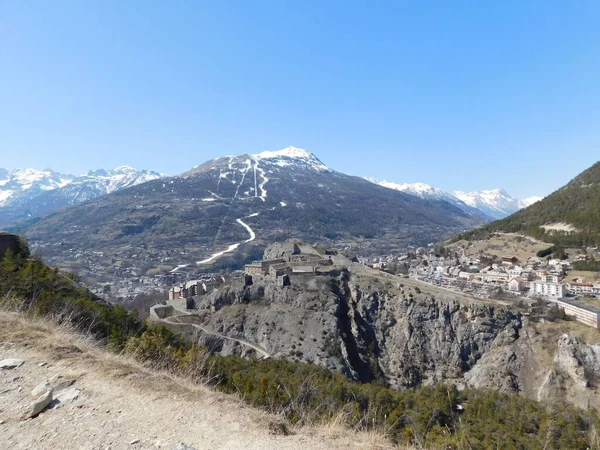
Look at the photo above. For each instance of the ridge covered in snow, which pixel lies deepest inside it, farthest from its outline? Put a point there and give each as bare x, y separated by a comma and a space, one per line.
34, 191
494, 203
292, 155
428, 192
28, 183
107, 181
419, 189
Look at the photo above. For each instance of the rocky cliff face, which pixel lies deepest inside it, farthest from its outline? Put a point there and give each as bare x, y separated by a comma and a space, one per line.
547, 362
373, 330
380, 330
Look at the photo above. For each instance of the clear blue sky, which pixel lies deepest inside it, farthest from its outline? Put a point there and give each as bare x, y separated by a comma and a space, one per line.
467, 95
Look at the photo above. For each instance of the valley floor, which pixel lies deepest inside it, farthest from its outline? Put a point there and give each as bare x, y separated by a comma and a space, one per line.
124, 405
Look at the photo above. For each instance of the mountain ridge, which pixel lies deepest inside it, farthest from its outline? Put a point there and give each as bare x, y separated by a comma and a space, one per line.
493, 204
26, 193
221, 214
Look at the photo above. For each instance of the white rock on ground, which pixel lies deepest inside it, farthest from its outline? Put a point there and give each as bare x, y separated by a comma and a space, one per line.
11, 363
44, 386
37, 406
56, 383
67, 397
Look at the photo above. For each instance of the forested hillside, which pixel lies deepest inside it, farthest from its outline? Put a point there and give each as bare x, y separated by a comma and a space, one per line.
569, 217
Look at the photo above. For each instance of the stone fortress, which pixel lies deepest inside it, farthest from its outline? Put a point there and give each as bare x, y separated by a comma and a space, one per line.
282, 262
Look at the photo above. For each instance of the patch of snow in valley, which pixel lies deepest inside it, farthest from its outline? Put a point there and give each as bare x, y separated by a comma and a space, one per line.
217, 255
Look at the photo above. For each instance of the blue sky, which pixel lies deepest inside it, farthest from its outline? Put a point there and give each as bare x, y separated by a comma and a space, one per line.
461, 95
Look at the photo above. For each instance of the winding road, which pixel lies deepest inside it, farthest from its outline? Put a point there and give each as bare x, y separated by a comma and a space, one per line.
232, 247
173, 321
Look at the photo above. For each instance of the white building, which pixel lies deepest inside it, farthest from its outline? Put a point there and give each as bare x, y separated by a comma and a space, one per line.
495, 276
545, 289
515, 286
579, 288
549, 278
587, 314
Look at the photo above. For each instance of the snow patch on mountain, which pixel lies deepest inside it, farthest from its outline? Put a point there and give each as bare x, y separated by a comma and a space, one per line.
292, 156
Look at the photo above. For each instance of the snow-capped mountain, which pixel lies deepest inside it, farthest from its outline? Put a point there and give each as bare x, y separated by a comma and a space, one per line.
24, 184
496, 203
419, 189
530, 201
426, 191
292, 156
26, 193
102, 182
224, 212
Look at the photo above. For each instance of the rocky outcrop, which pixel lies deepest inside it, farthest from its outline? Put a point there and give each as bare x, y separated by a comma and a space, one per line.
378, 329
367, 328
543, 364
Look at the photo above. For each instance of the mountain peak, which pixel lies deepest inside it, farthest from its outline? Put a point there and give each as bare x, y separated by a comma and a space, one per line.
289, 155
289, 152
420, 189
125, 169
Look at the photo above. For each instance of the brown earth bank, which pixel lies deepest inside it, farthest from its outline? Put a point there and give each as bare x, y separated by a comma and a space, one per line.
107, 401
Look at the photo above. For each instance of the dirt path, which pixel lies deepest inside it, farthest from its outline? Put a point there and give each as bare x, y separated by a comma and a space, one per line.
123, 405
173, 320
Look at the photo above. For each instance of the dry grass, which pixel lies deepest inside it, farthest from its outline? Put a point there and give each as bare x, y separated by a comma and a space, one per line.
520, 246
61, 341
585, 275
61, 344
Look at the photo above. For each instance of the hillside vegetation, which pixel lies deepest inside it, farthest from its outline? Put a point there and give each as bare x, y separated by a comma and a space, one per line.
576, 204
430, 417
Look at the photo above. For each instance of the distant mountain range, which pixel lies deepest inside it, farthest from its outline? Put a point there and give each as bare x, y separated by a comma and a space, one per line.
494, 204
224, 212
569, 216
26, 193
